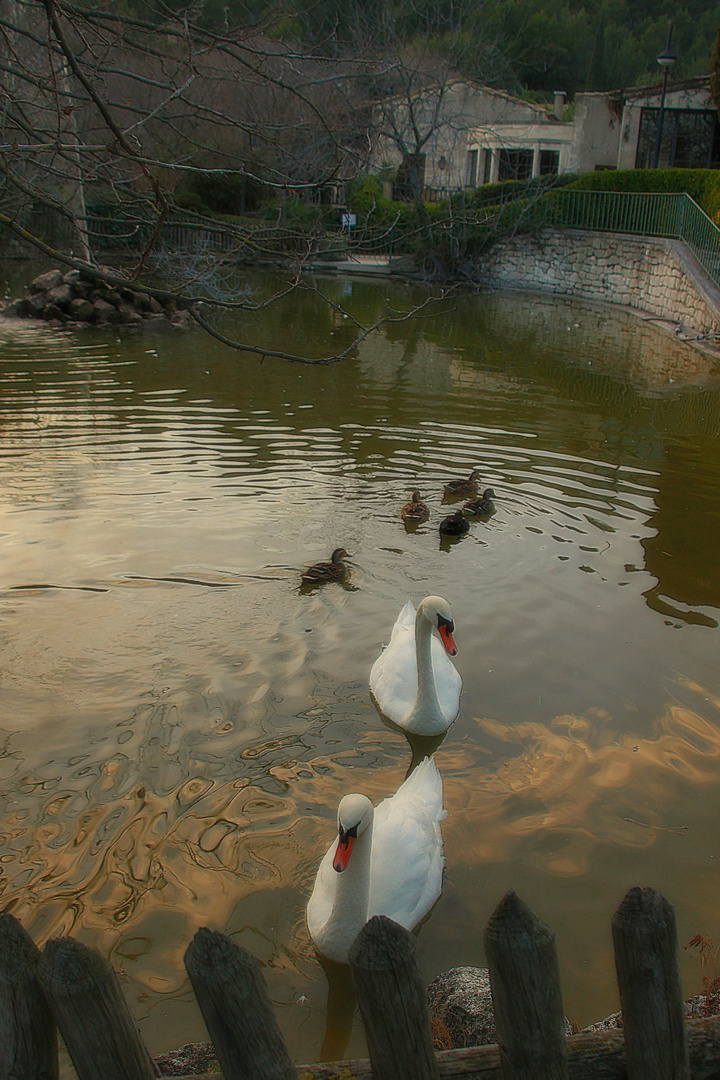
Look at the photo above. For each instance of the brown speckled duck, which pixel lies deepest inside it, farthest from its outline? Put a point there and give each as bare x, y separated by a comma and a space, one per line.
415, 510
335, 570
482, 505
469, 486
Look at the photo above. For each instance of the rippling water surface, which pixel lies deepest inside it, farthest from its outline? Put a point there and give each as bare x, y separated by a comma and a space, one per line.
178, 720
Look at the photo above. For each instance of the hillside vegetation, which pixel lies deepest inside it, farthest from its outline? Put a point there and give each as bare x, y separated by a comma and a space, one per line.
536, 46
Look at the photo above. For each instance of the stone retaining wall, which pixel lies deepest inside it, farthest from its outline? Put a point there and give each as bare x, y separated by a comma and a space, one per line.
656, 276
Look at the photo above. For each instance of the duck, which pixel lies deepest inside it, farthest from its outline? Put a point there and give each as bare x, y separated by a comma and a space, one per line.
482, 505
454, 524
469, 486
415, 510
413, 681
386, 860
335, 570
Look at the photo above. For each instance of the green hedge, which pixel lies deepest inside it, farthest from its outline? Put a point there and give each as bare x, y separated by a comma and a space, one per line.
509, 190
703, 185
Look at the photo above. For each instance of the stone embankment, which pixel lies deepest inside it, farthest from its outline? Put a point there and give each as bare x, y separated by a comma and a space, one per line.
652, 275
75, 300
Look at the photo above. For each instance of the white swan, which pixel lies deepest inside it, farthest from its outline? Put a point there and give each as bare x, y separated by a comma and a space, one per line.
387, 861
413, 682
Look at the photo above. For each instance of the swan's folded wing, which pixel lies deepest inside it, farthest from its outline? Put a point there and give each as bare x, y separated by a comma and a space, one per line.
425, 780
393, 676
408, 858
405, 618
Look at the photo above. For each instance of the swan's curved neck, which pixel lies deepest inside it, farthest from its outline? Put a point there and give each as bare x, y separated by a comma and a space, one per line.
352, 898
427, 698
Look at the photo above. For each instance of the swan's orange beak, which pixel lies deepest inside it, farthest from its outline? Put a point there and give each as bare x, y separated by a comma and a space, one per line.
447, 640
343, 852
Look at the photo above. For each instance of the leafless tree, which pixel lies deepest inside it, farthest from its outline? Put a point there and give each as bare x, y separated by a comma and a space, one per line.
433, 59
99, 105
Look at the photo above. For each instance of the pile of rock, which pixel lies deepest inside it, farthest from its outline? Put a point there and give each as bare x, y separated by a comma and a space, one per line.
75, 300
461, 1009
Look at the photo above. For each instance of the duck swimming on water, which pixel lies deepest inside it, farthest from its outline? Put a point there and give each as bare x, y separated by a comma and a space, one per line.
454, 524
415, 510
334, 570
468, 486
482, 505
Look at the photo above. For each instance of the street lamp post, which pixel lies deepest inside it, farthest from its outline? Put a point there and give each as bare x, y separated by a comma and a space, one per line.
666, 59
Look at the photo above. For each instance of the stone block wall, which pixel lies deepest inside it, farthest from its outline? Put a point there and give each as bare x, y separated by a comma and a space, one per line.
655, 276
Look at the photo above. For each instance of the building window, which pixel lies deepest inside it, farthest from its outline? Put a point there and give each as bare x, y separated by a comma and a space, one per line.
472, 165
487, 166
549, 162
515, 165
690, 139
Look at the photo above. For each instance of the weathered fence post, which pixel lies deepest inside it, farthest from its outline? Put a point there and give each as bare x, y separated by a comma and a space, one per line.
393, 1002
239, 1016
525, 984
28, 1036
645, 939
91, 1012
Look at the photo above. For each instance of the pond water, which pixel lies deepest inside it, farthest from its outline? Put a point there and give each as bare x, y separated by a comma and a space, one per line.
179, 720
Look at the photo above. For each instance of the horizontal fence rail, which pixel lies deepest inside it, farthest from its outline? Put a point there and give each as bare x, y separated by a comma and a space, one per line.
473, 217
69, 988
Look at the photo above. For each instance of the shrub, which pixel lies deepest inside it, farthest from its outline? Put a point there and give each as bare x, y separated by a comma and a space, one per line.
363, 193
703, 185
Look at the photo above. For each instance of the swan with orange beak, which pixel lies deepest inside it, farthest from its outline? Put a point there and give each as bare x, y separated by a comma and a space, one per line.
386, 861
413, 681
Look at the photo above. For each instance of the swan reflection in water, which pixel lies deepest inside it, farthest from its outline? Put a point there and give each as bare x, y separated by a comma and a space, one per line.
340, 1013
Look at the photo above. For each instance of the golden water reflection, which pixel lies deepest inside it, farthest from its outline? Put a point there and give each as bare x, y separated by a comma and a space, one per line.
139, 867
580, 783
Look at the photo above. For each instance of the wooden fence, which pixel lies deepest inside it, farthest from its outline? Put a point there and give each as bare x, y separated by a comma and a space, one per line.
72, 988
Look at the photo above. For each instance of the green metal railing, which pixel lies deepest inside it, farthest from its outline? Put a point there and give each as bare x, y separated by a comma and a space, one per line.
673, 215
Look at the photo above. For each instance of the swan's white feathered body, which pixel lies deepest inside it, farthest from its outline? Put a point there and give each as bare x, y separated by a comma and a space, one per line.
390, 862
413, 681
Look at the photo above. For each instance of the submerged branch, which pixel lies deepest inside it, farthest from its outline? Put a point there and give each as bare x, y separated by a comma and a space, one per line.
278, 354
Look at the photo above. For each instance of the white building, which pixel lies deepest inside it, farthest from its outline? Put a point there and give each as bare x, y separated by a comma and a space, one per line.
432, 129
616, 130
508, 150
690, 137
478, 136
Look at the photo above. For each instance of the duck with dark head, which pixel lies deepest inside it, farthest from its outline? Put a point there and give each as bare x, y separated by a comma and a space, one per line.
467, 486
334, 570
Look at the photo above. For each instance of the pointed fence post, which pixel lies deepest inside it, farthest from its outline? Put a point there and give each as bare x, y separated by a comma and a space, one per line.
645, 940
525, 984
238, 1013
91, 1012
28, 1036
393, 1002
